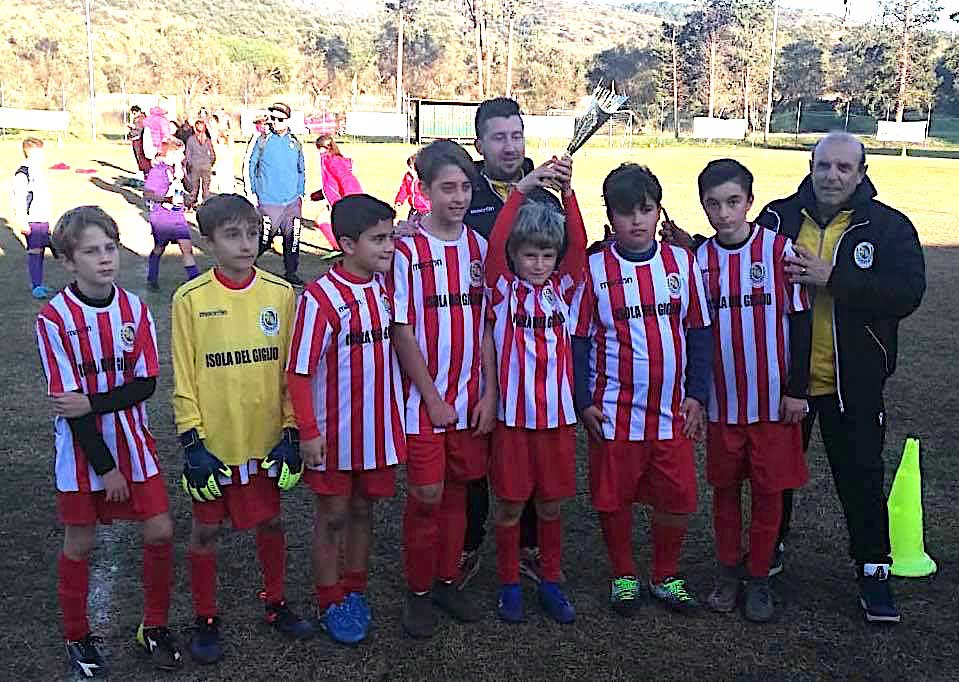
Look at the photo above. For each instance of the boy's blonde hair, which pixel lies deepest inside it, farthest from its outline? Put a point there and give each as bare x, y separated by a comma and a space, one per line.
32, 143
540, 223
71, 225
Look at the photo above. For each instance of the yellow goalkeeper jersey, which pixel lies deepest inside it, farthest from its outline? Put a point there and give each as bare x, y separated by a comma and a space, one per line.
229, 361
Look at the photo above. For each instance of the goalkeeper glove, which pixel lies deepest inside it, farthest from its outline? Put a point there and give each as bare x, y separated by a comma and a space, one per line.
287, 455
200, 468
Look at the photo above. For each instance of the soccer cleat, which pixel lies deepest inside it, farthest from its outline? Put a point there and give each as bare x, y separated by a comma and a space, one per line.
469, 566
776, 564
341, 624
510, 604
40, 292
555, 603
875, 595
360, 608
160, 645
673, 594
85, 658
726, 589
285, 621
625, 594
758, 605
454, 602
293, 279
419, 618
205, 644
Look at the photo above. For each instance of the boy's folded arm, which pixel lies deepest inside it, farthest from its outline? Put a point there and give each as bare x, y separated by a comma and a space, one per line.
123, 397
84, 429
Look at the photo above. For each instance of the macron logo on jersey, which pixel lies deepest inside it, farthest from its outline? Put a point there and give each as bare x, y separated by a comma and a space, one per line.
621, 282
434, 264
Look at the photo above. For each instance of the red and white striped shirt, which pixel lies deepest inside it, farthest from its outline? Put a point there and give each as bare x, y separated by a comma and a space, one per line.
341, 338
750, 299
636, 315
439, 290
95, 350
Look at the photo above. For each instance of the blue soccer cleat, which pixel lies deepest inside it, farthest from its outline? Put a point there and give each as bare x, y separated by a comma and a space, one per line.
555, 603
360, 608
283, 620
342, 625
510, 606
205, 645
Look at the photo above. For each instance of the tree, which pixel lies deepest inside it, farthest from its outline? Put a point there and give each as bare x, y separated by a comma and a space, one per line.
909, 18
326, 55
800, 74
704, 42
751, 23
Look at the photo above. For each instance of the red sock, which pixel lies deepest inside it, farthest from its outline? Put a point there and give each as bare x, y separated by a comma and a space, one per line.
203, 583
326, 595
667, 544
507, 554
763, 531
452, 527
271, 550
550, 548
618, 533
420, 537
72, 586
157, 583
728, 524
355, 581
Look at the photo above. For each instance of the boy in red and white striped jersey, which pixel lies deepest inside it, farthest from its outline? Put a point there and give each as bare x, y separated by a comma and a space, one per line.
445, 348
761, 330
642, 378
345, 386
99, 354
534, 444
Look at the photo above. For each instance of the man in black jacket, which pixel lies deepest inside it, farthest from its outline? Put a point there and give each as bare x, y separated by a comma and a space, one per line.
500, 140
864, 267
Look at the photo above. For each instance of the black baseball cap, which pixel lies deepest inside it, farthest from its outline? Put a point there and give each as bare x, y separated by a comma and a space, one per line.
280, 108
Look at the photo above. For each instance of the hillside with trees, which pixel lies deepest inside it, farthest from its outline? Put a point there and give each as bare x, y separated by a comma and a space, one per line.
699, 58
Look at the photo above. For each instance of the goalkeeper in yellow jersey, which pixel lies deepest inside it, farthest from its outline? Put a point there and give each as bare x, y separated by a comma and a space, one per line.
231, 330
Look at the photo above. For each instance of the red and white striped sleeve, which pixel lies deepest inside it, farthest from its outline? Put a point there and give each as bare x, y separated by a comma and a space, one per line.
796, 295
697, 312
400, 284
311, 335
60, 372
147, 363
582, 308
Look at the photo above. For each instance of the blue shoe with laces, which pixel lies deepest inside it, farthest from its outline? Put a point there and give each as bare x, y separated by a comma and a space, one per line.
510, 606
342, 625
555, 603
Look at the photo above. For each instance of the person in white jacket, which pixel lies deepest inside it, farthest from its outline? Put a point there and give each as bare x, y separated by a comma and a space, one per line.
33, 210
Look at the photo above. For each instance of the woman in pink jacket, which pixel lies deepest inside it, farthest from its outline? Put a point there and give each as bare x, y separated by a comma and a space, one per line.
410, 192
337, 171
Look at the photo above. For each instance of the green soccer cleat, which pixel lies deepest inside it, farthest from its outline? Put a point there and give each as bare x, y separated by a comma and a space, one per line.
673, 594
625, 595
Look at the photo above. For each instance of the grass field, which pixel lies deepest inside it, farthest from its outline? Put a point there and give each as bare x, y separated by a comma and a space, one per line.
819, 633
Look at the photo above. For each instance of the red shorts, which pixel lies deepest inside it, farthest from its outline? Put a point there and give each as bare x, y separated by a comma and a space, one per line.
370, 483
245, 505
768, 454
527, 463
455, 455
146, 500
660, 473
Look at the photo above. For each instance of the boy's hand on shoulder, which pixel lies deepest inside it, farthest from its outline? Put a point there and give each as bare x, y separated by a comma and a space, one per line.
71, 405
671, 233
441, 413
115, 486
405, 228
314, 451
593, 419
694, 417
793, 410
484, 415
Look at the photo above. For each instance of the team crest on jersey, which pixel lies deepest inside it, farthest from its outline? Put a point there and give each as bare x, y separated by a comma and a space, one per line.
476, 273
128, 336
269, 321
674, 284
862, 254
547, 298
387, 306
757, 274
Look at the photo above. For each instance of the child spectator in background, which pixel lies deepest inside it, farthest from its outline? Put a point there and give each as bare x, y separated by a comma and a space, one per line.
32, 207
410, 192
164, 189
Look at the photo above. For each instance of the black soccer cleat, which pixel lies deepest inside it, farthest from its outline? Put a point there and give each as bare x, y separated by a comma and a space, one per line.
875, 597
205, 645
160, 645
85, 658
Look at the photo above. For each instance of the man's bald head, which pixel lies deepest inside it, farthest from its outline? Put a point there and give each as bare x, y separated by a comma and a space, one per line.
837, 167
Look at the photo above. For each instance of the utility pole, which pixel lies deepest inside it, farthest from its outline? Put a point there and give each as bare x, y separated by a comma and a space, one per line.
399, 57
93, 93
772, 73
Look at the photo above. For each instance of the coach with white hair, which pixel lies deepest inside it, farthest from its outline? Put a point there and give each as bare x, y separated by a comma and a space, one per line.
864, 267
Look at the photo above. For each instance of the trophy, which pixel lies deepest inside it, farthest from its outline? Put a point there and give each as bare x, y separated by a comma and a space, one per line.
602, 105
